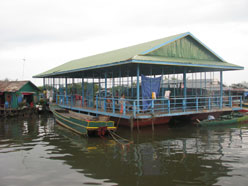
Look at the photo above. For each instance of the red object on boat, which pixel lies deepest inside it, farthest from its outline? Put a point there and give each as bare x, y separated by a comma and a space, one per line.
101, 131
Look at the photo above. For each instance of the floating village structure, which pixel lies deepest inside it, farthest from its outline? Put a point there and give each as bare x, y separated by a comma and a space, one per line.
13, 93
145, 84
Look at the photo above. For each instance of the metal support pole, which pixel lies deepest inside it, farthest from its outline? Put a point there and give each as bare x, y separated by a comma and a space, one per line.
162, 83
113, 85
66, 91
120, 85
53, 90
82, 92
138, 90
221, 89
184, 84
132, 86
44, 83
105, 92
184, 89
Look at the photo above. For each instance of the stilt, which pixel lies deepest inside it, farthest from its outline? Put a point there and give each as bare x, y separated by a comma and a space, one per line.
152, 124
131, 127
138, 125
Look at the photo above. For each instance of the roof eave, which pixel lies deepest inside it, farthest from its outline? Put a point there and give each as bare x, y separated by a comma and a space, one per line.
189, 64
82, 69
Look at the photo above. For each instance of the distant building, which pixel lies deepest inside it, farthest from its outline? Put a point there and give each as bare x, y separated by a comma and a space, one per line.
13, 93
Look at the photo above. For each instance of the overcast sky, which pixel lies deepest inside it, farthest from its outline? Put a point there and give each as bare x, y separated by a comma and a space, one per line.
48, 33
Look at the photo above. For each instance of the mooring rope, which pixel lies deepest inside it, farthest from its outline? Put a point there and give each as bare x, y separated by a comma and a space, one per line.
118, 138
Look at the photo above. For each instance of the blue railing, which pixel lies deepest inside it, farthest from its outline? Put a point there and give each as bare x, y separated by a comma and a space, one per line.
156, 106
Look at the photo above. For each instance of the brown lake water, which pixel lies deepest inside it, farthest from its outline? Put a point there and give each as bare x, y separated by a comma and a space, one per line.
36, 151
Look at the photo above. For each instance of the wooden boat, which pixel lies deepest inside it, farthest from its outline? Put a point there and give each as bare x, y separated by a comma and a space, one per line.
225, 120
81, 123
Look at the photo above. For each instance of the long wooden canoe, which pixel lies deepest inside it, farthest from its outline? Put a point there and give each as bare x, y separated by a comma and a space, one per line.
82, 124
224, 120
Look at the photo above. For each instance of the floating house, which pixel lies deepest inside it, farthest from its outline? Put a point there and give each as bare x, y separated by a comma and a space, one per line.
145, 84
17, 92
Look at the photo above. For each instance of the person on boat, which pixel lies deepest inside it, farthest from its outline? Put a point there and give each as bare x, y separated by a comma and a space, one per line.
122, 103
127, 103
109, 103
211, 117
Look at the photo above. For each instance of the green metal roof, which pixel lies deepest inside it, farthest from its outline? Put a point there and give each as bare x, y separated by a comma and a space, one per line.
182, 49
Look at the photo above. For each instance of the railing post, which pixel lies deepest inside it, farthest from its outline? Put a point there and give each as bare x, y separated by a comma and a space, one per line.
168, 106
209, 103
153, 106
56, 99
221, 102
138, 86
221, 89
124, 107
197, 104
71, 100
184, 105
104, 104
83, 92
134, 109
113, 104
96, 103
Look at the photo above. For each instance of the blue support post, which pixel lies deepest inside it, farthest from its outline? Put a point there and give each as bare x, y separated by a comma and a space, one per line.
124, 107
113, 104
99, 89
184, 104
153, 106
209, 103
132, 86
205, 82
201, 83
197, 104
127, 91
221, 89
120, 84
44, 83
82, 92
71, 100
230, 101
53, 91
184, 84
113, 84
138, 91
66, 91
96, 103
162, 83
168, 106
105, 92
184, 89
134, 109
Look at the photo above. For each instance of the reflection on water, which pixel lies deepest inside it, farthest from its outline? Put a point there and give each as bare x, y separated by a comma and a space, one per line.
34, 151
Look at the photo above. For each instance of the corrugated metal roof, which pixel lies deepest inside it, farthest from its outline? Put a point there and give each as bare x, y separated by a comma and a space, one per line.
11, 86
132, 53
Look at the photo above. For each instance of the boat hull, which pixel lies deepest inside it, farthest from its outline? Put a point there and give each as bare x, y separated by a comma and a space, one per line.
141, 122
83, 127
225, 122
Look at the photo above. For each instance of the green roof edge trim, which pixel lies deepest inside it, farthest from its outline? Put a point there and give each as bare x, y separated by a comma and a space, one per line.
232, 67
